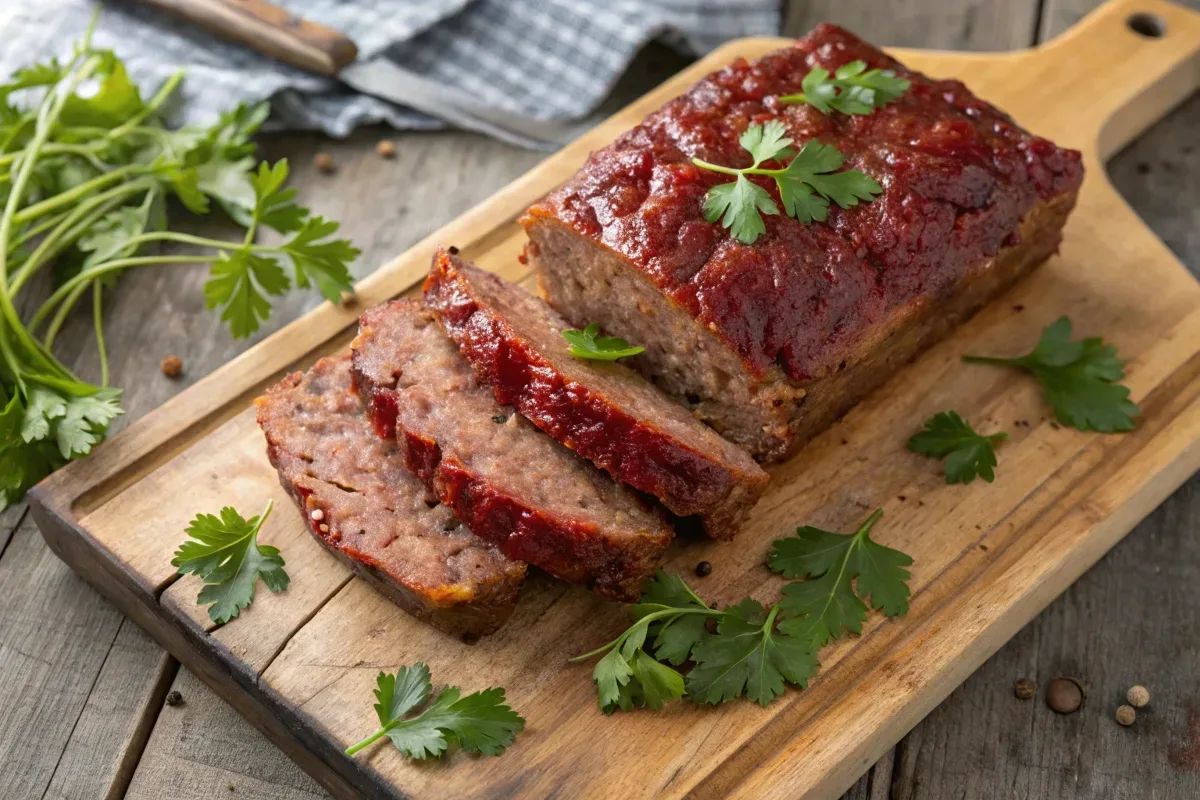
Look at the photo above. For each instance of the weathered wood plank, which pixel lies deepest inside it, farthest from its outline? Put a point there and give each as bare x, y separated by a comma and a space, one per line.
204, 749
968, 25
112, 729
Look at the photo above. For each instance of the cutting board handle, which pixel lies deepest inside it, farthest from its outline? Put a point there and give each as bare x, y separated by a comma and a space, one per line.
1133, 61
269, 29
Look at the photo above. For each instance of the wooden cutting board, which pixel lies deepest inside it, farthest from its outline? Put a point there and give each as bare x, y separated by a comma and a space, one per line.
302, 664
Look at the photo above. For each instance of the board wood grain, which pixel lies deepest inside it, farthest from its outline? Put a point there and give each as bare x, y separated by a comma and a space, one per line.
301, 665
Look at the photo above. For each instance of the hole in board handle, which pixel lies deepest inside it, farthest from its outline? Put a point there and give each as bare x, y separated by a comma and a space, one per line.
1151, 26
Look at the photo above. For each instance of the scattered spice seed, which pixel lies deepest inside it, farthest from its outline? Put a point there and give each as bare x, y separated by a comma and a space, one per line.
1018, 307
174, 698
1025, 688
452, 250
324, 163
386, 148
1126, 715
703, 569
172, 366
323, 528
347, 299
1138, 696
499, 419
1064, 695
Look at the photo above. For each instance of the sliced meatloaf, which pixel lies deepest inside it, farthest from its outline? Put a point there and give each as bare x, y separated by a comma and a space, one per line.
366, 508
506, 480
602, 410
771, 341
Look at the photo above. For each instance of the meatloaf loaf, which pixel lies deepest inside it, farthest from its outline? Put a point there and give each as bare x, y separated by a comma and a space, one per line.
366, 508
506, 480
771, 341
604, 411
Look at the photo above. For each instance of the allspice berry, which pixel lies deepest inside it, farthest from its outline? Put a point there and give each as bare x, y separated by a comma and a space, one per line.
703, 569
174, 698
386, 148
324, 163
1025, 688
1064, 695
1138, 696
172, 366
1126, 715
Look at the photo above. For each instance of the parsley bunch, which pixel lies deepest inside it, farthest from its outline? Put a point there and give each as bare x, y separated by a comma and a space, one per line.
746, 649
480, 722
853, 89
1080, 379
84, 184
806, 184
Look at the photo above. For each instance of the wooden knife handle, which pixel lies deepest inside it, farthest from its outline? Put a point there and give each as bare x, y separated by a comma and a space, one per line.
269, 29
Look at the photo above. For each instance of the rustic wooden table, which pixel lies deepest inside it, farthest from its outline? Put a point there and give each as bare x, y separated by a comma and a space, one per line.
82, 689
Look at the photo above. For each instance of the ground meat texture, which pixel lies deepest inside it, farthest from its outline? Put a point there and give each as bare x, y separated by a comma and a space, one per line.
366, 508
770, 342
602, 410
507, 481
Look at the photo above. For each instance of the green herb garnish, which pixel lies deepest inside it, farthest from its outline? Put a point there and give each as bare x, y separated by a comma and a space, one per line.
586, 344
806, 185
226, 555
751, 651
1079, 379
967, 453
84, 185
479, 722
852, 89
827, 605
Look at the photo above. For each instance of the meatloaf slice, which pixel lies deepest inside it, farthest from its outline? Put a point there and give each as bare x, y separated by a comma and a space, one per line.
507, 481
604, 411
771, 341
366, 508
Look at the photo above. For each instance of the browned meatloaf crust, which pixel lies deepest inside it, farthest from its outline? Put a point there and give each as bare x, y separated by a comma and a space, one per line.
361, 502
506, 480
604, 411
770, 342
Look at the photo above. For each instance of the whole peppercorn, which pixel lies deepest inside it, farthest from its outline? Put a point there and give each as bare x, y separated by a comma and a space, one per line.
386, 148
1126, 715
174, 698
1025, 688
1064, 695
172, 366
324, 163
703, 569
1138, 696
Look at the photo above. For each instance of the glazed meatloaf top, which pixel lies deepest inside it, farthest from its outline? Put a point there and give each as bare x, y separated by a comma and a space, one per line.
957, 174
602, 410
360, 501
509, 482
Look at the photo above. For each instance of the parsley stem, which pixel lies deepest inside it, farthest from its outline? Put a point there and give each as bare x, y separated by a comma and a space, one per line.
367, 742
798, 97
1001, 362
97, 306
64, 309
667, 611
71, 195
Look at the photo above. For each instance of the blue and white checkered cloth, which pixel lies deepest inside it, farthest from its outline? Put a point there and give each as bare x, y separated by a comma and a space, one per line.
554, 59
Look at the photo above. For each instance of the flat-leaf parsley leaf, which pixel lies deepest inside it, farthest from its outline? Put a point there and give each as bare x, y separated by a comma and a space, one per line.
968, 454
586, 344
806, 185
827, 605
226, 554
852, 89
1080, 379
480, 722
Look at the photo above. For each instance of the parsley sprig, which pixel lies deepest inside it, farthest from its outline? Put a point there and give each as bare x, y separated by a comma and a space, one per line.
852, 89
85, 180
225, 553
1080, 379
747, 649
968, 454
587, 345
806, 184
479, 723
